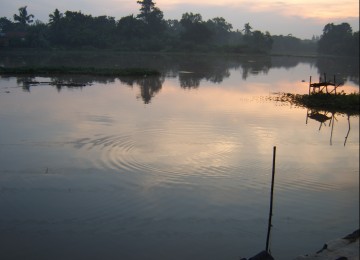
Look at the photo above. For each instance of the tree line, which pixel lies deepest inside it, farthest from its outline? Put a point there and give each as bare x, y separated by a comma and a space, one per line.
149, 31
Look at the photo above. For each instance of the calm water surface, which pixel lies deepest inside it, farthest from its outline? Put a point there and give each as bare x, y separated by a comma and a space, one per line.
177, 166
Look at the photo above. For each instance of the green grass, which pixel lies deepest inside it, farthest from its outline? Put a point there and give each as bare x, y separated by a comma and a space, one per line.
78, 70
339, 103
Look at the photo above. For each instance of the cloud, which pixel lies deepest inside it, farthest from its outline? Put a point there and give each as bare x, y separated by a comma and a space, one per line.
300, 18
320, 9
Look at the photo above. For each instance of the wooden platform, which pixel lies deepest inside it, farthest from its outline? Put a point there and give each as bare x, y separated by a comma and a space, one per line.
328, 86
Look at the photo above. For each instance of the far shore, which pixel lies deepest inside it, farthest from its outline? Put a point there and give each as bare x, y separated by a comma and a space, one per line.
27, 70
32, 51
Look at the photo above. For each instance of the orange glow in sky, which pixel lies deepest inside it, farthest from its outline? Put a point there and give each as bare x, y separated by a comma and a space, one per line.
321, 9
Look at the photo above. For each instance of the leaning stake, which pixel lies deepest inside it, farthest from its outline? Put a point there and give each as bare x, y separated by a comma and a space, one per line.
271, 200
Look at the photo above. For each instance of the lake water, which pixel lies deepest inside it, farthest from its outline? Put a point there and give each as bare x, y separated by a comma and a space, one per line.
177, 166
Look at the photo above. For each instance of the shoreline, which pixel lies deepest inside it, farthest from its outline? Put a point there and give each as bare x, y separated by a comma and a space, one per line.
30, 51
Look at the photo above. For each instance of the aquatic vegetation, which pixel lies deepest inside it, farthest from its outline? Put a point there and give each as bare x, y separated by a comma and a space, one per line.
340, 103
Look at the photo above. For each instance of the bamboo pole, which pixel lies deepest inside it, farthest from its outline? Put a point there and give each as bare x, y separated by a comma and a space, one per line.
326, 86
332, 128
271, 200
347, 135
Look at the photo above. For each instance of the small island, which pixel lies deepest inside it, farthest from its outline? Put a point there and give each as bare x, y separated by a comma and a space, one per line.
338, 103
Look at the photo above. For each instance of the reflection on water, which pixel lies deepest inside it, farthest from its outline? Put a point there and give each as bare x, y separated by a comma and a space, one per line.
183, 173
148, 86
191, 71
326, 117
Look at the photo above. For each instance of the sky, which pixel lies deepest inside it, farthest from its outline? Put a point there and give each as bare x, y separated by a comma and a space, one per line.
301, 18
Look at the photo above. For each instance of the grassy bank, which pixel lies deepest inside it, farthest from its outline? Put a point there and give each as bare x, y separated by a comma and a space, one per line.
339, 103
48, 71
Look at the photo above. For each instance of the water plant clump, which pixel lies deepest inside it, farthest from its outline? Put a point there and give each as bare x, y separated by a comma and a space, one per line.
340, 103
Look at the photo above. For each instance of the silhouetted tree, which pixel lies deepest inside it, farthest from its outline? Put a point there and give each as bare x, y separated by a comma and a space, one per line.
5, 25
337, 40
77, 29
56, 27
54, 18
257, 41
38, 35
129, 27
291, 44
104, 28
152, 17
220, 29
23, 17
147, 31
354, 45
174, 28
247, 29
195, 30
147, 6
260, 42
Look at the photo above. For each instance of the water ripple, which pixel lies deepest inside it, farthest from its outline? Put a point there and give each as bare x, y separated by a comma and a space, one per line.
191, 150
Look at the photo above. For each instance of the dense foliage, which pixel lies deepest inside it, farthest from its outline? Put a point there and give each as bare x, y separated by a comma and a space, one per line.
339, 40
290, 44
149, 31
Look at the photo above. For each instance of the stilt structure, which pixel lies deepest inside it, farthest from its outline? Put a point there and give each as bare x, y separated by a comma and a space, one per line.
322, 85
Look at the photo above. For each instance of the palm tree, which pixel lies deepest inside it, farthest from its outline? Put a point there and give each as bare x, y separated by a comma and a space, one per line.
23, 17
56, 31
55, 17
247, 29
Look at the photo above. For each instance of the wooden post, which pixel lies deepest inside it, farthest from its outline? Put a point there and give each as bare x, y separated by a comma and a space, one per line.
332, 127
271, 200
309, 85
326, 86
335, 84
347, 135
